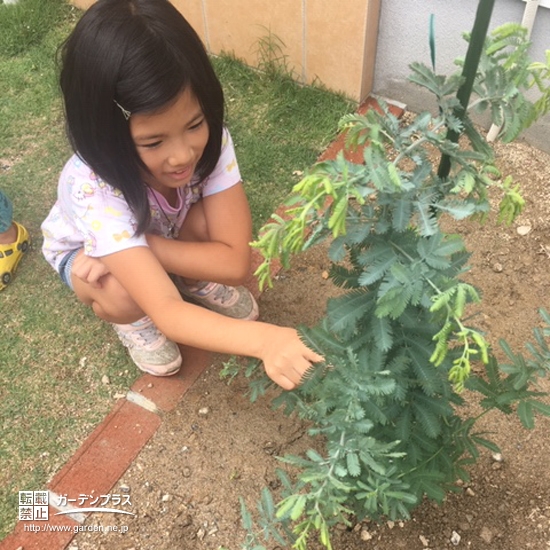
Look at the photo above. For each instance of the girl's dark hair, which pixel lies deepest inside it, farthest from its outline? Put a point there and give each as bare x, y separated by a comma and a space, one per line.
140, 54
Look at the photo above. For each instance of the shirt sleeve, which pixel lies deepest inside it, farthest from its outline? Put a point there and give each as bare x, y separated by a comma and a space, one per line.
226, 173
100, 215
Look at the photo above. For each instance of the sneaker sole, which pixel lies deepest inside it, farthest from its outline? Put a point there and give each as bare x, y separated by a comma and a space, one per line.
171, 368
171, 372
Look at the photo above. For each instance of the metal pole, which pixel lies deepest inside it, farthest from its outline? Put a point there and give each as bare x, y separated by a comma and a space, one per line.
475, 48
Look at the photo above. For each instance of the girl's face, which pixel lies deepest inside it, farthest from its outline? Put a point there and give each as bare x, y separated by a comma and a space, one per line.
170, 142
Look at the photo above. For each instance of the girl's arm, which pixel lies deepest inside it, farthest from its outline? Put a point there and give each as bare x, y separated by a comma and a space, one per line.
216, 236
285, 357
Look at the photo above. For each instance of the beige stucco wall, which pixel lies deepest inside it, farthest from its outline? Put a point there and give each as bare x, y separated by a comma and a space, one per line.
329, 42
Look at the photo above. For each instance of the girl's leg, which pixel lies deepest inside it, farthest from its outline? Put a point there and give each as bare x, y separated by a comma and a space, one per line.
231, 301
194, 228
150, 350
110, 301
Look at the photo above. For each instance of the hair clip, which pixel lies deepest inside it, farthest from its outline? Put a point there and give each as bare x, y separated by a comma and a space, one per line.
124, 111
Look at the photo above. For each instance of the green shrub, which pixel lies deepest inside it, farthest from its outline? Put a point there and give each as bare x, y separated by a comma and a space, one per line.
387, 401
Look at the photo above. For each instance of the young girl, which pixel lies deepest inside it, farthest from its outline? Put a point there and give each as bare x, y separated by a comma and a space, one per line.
154, 189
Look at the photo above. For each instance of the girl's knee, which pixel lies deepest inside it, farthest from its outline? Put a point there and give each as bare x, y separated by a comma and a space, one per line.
112, 314
194, 227
111, 302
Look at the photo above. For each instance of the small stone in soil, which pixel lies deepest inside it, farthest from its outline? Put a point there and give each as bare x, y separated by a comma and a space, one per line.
486, 535
365, 535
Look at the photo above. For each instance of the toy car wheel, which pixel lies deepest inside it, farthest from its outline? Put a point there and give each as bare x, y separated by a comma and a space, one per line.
24, 246
6, 278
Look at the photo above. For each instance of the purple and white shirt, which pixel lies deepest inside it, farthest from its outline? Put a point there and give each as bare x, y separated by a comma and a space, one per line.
91, 214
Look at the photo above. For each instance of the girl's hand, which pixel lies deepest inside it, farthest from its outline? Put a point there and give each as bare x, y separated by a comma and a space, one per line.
90, 270
286, 358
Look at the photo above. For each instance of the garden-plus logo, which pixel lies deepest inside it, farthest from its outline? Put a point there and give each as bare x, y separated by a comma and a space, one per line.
92, 503
33, 505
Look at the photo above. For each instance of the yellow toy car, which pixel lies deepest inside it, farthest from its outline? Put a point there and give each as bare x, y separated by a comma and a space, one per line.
11, 254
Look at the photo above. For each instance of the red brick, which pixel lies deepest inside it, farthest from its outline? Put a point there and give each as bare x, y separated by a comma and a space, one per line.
107, 452
167, 391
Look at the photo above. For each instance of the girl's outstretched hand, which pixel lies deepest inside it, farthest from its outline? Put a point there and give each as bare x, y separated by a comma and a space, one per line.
286, 358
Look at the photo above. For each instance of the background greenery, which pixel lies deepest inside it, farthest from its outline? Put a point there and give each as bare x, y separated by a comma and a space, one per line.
55, 353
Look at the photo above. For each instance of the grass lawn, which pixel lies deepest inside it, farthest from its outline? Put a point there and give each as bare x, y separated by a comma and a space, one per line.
60, 367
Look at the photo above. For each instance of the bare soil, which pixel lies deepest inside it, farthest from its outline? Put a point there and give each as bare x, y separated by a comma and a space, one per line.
217, 446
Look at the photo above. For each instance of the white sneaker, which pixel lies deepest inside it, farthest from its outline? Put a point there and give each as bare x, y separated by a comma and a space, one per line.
150, 350
231, 301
